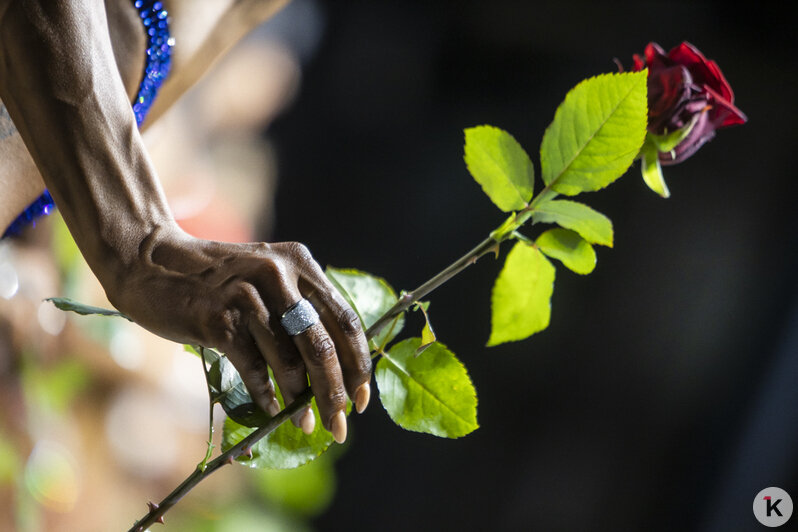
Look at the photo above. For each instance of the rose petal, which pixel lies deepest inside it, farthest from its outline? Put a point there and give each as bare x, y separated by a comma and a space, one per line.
704, 71
723, 112
702, 132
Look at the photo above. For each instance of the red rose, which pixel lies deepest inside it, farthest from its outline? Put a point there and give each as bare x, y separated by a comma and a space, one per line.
687, 97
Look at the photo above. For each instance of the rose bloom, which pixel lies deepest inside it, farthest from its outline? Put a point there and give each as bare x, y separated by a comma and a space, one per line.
686, 90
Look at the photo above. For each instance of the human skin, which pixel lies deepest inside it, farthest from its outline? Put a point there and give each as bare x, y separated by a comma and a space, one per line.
62, 88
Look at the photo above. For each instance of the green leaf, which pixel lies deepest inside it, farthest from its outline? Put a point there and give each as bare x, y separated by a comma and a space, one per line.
500, 165
286, 447
369, 296
521, 302
506, 228
427, 334
652, 170
596, 133
193, 349
70, 305
669, 141
589, 223
569, 248
431, 393
229, 390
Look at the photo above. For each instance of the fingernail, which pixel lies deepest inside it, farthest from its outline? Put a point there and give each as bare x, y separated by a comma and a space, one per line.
274, 408
362, 396
308, 422
338, 427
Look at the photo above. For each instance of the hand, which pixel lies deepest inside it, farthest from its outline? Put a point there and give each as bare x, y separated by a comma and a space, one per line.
83, 137
231, 297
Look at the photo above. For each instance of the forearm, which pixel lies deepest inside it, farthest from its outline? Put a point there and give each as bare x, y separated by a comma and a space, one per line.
60, 83
20, 182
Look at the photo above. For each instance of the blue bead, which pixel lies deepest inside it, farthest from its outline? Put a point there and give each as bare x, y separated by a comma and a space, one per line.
158, 63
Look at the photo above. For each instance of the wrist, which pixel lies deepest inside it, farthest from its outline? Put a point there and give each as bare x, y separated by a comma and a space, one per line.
123, 264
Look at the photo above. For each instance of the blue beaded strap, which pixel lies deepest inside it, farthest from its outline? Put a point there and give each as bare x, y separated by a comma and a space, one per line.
156, 69
159, 55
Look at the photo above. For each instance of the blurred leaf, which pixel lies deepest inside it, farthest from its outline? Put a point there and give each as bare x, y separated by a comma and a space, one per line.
307, 490
569, 248
66, 304
652, 170
232, 510
521, 302
431, 393
67, 255
500, 165
10, 462
370, 297
54, 388
590, 224
596, 134
193, 349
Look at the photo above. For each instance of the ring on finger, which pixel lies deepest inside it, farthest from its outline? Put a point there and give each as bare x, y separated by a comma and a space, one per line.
299, 317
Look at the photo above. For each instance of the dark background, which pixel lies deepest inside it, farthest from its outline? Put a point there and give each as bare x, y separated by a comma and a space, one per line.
663, 395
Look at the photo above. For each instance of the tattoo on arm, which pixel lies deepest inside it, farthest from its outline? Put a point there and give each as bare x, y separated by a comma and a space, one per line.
6, 125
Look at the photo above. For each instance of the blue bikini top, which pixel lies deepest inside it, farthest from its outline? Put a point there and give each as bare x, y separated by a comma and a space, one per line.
156, 69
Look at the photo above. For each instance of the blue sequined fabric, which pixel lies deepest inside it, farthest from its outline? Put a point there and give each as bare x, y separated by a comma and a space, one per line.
159, 55
156, 69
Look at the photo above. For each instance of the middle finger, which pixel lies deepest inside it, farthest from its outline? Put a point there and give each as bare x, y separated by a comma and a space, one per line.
318, 352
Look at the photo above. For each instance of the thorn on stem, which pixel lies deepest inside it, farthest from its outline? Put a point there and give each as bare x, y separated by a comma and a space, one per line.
248, 452
159, 520
152, 506
229, 460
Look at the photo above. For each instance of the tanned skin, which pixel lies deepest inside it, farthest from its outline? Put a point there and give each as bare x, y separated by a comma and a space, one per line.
70, 104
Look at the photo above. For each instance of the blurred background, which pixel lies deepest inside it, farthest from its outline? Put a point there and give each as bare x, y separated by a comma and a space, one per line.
663, 395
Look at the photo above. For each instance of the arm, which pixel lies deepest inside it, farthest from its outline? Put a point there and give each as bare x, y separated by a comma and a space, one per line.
61, 86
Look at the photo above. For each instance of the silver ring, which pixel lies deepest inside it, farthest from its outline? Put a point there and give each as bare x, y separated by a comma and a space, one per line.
299, 318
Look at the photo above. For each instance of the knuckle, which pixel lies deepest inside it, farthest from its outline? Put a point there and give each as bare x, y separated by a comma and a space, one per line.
261, 248
337, 397
290, 363
222, 326
296, 251
263, 386
294, 371
247, 293
363, 365
323, 348
300, 251
349, 322
272, 268
260, 392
